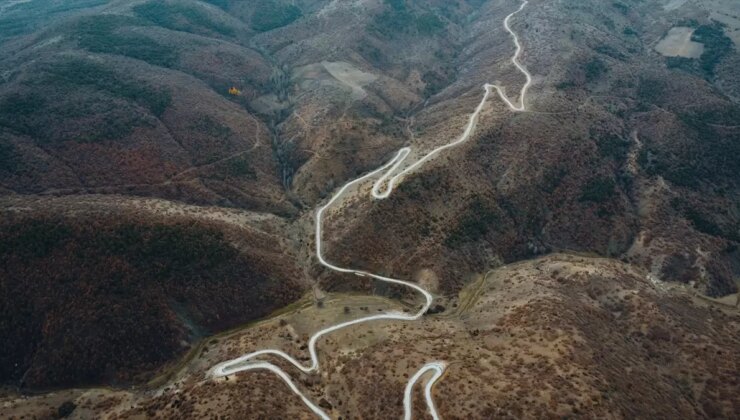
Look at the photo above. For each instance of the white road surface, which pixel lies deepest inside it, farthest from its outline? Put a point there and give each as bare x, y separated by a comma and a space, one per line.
382, 188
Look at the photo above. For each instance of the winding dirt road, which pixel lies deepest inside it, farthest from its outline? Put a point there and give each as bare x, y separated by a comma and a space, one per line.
382, 188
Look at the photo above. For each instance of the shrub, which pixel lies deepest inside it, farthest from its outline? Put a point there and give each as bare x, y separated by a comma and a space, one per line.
612, 146
392, 22
691, 23
685, 175
594, 69
609, 51
623, 8
566, 84
273, 14
701, 223
180, 17
428, 24
17, 112
716, 45
683, 63
598, 190
28, 16
8, 157
89, 90
399, 20
208, 125
473, 225
650, 90
81, 72
552, 179
240, 167
35, 239
100, 34
435, 81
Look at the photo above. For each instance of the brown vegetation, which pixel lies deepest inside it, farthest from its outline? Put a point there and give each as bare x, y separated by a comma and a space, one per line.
101, 300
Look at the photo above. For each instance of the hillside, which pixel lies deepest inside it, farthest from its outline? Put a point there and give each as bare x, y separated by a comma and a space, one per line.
627, 158
113, 295
560, 335
139, 105
163, 163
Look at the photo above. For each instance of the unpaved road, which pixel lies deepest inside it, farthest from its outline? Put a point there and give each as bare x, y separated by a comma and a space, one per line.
382, 188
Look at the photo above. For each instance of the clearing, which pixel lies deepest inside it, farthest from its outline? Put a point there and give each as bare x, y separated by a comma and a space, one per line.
678, 43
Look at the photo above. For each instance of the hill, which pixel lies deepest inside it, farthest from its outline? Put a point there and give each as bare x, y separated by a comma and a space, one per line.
161, 164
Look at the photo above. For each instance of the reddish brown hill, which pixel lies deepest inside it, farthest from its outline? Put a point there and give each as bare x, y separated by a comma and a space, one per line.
618, 155
111, 300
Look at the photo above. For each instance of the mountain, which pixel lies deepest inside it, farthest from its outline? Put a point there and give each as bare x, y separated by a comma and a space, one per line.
162, 164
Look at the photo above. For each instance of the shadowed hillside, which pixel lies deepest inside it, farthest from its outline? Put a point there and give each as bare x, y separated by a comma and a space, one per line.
108, 300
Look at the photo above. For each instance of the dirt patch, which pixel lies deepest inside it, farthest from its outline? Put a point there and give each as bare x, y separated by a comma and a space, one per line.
678, 43
339, 74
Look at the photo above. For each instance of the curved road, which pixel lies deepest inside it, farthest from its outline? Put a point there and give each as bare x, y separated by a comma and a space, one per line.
382, 188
